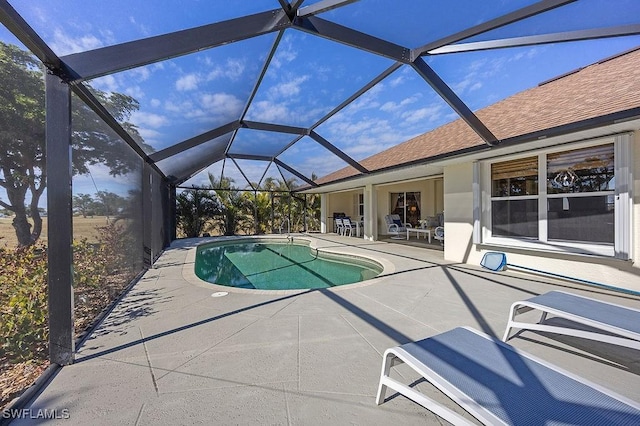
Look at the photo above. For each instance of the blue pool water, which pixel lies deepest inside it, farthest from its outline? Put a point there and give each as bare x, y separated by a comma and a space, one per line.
278, 266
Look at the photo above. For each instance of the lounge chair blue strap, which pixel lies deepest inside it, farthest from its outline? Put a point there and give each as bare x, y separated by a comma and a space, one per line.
498, 384
620, 325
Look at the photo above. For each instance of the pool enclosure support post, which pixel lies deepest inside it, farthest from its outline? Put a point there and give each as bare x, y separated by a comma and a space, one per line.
172, 212
304, 215
147, 215
370, 201
273, 220
323, 213
60, 211
255, 213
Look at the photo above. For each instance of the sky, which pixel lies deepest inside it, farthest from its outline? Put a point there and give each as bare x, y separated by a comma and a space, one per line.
309, 76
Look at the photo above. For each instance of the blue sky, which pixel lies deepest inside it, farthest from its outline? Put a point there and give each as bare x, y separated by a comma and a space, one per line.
309, 76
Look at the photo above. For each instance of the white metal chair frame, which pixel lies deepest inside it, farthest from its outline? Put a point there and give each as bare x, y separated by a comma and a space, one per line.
438, 234
477, 391
393, 228
582, 310
349, 227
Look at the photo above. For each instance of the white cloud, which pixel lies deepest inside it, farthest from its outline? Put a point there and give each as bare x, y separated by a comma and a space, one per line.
233, 70
288, 89
269, 112
64, 44
286, 53
478, 85
142, 29
369, 100
187, 82
145, 119
397, 81
155, 103
214, 107
107, 83
152, 137
141, 73
171, 106
393, 107
135, 91
222, 103
431, 114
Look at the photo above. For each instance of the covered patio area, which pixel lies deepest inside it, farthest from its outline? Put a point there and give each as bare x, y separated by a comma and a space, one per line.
173, 353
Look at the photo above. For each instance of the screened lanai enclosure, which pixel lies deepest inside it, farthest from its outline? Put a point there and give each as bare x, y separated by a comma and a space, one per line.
111, 112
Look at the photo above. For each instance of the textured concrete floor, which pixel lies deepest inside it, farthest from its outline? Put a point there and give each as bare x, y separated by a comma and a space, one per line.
172, 354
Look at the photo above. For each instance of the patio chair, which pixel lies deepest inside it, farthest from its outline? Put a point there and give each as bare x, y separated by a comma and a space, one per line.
395, 226
499, 384
349, 227
618, 325
339, 226
438, 234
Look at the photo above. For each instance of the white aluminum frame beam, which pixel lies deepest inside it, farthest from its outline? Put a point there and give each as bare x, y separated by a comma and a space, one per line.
322, 6
562, 37
501, 21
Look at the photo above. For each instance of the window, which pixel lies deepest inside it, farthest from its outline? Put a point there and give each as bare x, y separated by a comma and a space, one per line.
559, 199
581, 192
514, 198
407, 206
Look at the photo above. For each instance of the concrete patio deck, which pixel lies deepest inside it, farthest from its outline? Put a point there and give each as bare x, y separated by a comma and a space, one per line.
170, 353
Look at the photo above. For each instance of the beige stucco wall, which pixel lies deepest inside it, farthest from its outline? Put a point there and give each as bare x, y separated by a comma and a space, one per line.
344, 202
459, 247
458, 212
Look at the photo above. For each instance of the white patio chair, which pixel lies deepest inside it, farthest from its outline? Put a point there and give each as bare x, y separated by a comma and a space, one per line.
349, 227
438, 234
339, 226
499, 384
395, 226
607, 322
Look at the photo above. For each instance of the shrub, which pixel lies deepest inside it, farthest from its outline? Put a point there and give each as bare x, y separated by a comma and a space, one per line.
89, 266
23, 303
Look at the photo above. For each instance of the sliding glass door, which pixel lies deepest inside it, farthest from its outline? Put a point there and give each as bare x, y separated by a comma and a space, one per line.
407, 206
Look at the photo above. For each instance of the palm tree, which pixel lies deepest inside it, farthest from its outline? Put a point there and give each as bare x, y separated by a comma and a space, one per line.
194, 208
235, 208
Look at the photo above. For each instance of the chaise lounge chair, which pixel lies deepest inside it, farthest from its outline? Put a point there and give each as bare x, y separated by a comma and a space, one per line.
395, 226
620, 325
498, 384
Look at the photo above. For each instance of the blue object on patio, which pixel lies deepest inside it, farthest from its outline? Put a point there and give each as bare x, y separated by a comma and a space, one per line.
501, 385
494, 261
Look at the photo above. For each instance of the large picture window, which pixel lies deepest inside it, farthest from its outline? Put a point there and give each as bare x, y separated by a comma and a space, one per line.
581, 191
561, 198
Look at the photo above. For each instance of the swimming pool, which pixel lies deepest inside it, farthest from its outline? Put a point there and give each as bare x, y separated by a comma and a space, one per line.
279, 265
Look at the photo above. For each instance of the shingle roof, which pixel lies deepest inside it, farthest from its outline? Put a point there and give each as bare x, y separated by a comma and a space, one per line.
609, 86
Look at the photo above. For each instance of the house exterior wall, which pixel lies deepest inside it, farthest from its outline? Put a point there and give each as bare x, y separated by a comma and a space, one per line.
458, 213
431, 198
342, 202
635, 227
459, 246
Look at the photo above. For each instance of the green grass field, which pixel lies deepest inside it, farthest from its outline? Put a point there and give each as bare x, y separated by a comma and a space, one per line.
82, 228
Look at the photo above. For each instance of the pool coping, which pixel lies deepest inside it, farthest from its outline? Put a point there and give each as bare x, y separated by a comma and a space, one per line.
189, 274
